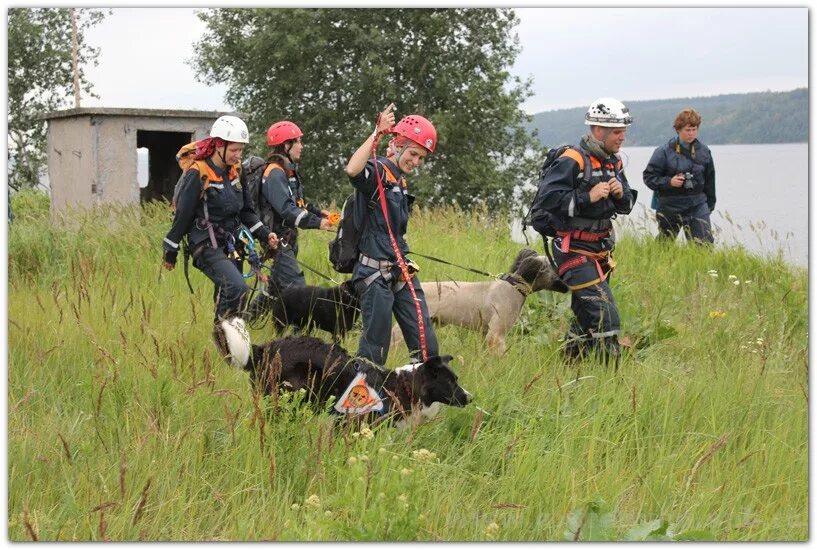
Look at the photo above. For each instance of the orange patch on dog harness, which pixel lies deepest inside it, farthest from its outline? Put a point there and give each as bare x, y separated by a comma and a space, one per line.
359, 398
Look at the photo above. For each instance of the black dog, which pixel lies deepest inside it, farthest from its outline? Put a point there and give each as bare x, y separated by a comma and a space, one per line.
332, 309
326, 371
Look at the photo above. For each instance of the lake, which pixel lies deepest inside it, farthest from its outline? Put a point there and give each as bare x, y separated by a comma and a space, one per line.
762, 195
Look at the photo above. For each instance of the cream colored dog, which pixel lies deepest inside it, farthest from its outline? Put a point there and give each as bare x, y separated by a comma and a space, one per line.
490, 306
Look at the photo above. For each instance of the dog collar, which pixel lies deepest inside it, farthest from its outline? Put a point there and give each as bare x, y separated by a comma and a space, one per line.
359, 398
521, 286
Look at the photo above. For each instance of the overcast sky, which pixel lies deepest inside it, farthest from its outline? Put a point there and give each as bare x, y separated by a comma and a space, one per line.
574, 55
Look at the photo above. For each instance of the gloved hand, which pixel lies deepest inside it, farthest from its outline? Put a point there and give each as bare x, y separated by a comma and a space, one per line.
333, 217
169, 259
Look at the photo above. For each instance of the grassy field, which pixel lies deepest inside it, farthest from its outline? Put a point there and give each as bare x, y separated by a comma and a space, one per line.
124, 424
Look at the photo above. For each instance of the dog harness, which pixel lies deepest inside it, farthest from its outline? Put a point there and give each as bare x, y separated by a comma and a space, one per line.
360, 398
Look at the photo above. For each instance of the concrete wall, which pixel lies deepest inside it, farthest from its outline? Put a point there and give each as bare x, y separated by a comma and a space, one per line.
71, 162
92, 153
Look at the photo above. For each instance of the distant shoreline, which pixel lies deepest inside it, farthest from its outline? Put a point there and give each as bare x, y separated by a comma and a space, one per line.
730, 119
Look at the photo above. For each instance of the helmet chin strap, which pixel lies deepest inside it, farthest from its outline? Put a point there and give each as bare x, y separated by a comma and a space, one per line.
396, 151
287, 150
223, 154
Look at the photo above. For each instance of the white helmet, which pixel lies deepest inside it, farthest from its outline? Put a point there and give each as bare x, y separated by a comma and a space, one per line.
230, 128
608, 112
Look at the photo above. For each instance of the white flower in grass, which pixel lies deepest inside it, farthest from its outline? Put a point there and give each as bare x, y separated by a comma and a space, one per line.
363, 458
314, 501
355, 435
295, 506
759, 341
402, 498
732, 277
328, 513
423, 454
736, 282
713, 273
405, 472
351, 461
492, 530
747, 282
381, 451
366, 432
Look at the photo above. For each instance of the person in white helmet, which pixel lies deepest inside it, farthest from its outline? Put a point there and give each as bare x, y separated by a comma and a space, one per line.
583, 191
212, 204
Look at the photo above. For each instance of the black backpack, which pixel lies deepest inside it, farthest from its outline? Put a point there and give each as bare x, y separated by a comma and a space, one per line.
343, 249
253, 169
538, 216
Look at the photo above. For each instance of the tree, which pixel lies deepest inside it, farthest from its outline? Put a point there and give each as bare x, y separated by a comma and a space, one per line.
41, 79
332, 70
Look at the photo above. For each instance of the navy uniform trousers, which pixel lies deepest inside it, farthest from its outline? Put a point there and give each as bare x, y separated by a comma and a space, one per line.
597, 324
377, 302
231, 291
694, 221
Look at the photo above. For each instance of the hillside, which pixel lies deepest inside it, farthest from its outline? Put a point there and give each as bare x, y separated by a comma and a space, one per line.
765, 117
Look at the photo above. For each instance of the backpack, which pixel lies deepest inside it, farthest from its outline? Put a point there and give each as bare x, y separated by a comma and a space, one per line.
253, 169
538, 216
343, 249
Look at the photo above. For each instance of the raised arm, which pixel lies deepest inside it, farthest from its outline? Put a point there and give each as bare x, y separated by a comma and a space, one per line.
357, 161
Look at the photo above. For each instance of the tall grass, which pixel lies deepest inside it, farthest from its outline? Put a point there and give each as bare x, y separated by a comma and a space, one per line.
124, 424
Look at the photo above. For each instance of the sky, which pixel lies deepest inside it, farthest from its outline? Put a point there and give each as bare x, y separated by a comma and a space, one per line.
573, 55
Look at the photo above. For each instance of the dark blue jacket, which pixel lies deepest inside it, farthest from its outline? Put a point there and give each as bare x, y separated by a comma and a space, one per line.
673, 158
228, 206
564, 193
374, 239
282, 205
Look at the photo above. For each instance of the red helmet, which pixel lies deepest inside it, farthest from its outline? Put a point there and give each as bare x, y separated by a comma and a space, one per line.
419, 130
282, 131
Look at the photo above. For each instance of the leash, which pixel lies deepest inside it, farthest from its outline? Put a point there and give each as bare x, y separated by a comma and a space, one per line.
401, 262
472, 270
316, 272
285, 242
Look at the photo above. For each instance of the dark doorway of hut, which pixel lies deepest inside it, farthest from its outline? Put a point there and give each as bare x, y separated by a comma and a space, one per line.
162, 169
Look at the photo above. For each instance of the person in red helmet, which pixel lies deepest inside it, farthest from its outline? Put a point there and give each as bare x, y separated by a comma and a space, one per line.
376, 275
281, 205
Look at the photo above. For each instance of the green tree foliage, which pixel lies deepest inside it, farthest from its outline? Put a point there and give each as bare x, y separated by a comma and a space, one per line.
40, 80
332, 70
762, 117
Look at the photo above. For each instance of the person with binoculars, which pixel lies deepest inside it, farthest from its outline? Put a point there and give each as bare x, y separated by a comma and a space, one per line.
682, 175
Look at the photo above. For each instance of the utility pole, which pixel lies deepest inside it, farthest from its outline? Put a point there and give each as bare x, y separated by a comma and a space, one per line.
75, 56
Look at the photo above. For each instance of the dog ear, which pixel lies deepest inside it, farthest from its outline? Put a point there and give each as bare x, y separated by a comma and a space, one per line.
438, 361
523, 255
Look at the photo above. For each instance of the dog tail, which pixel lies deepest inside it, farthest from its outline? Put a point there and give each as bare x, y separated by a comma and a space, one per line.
233, 342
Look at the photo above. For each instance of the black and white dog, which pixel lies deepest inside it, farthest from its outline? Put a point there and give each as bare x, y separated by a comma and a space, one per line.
333, 309
407, 394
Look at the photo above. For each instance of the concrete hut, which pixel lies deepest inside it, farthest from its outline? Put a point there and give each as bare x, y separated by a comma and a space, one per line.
92, 153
